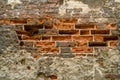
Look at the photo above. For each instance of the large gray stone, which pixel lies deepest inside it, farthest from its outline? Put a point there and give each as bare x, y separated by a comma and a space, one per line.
8, 40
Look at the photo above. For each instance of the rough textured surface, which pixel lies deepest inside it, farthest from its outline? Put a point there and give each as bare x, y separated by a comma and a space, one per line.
8, 40
60, 36
104, 65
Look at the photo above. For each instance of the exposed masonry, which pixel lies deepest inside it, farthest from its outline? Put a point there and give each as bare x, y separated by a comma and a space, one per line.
65, 38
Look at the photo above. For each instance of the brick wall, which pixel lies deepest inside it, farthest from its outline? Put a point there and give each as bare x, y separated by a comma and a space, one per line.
63, 37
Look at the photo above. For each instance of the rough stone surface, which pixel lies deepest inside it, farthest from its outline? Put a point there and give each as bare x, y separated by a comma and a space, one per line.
8, 40
22, 66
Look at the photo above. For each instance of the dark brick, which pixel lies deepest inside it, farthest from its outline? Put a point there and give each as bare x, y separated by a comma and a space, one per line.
50, 32
46, 38
69, 32
100, 32
97, 44
65, 50
84, 32
65, 44
85, 26
110, 38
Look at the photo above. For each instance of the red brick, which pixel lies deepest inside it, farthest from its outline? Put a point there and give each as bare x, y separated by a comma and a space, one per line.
68, 20
37, 37
98, 38
61, 38
82, 50
49, 50
5, 21
84, 26
100, 32
40, 21
83, 38
98, 44
46, 38
113, 43
18, 21
21, 32
85, 32
69, 32
81, 44
64, 26
45, 44
111, 26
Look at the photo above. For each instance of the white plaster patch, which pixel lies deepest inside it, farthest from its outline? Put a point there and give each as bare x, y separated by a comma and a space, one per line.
73, 4
14, 2
117, 0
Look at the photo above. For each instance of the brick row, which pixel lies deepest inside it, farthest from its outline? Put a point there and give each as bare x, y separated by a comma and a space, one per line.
105, 38
32, 30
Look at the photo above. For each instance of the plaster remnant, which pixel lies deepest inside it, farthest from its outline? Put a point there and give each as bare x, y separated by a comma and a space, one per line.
117, 0
13, 3
73, 4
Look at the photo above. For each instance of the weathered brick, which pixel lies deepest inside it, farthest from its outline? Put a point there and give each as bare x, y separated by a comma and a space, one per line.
49, 50
111, 26
65, 44
48, 26
31, 27
69, 32
61, 38
46, 38
45, 44
85, 32
37, 37
97, 44
68, 20
19, 27
28, 43
83, 38
100, 32
47, 32
82, 50
84, 26
110, 38
18, 21
64, 26
65, 50
81, 44
98, 38
21, 32
5, 21
113, 43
